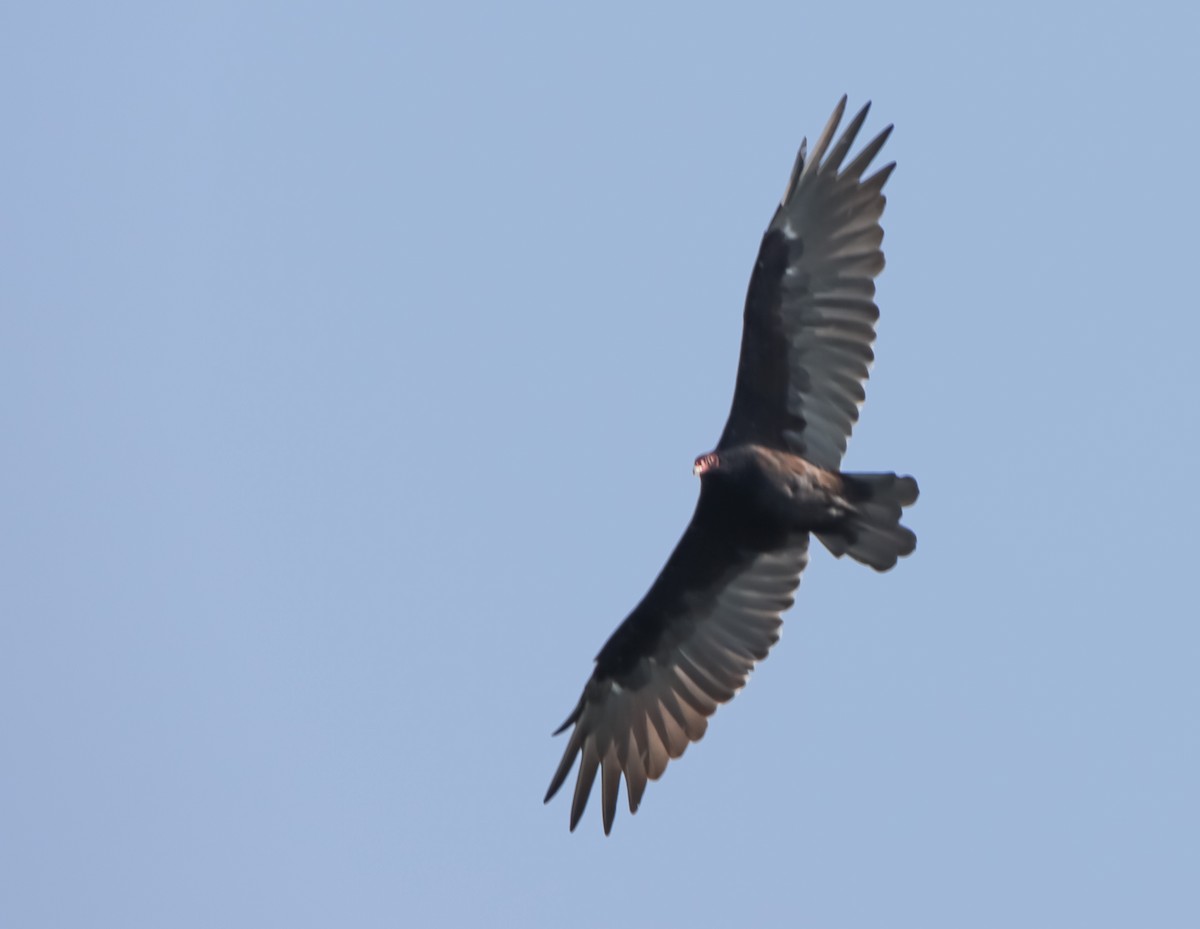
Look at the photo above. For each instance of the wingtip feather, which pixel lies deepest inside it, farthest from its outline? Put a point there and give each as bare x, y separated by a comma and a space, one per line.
864, 158
839, 151
589, 762
826, 136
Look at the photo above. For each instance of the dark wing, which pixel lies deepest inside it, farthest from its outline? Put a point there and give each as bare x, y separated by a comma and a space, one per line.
688, 647
810, 308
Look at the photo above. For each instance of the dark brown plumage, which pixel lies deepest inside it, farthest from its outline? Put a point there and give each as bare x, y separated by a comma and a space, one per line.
773, 480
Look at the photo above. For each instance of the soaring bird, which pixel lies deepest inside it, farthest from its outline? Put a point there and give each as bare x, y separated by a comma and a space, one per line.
772, 481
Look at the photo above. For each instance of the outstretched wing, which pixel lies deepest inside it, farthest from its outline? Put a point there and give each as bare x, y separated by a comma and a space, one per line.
688, 647
810, 308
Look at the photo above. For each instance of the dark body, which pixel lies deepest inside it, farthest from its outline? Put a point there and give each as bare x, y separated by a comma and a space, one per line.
779, 487
773, 480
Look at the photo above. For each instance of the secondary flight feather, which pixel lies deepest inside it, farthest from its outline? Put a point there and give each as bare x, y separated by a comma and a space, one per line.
771, 483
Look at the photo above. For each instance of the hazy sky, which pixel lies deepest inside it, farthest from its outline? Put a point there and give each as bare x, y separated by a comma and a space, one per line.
353, 359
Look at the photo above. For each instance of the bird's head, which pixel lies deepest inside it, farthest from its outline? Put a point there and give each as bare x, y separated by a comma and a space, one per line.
706, 463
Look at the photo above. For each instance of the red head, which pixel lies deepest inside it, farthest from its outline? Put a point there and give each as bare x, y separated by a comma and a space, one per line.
706, 463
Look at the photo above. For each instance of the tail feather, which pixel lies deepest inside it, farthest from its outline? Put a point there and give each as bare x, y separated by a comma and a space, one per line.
873, 534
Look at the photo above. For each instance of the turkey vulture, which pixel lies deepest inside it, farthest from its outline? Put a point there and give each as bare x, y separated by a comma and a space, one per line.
772, 480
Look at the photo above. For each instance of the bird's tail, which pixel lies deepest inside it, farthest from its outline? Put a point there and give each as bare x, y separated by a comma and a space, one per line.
872, 534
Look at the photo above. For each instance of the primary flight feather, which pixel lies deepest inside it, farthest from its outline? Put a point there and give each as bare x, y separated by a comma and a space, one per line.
772, 481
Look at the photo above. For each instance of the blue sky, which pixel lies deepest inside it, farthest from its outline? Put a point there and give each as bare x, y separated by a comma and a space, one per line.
352, 363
